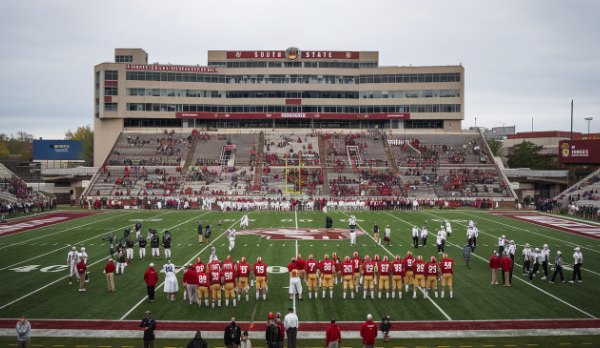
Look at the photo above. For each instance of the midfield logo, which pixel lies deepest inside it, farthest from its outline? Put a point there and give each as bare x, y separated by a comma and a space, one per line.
301, 234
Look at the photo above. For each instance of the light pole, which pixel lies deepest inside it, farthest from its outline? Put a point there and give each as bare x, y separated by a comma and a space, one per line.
588, 119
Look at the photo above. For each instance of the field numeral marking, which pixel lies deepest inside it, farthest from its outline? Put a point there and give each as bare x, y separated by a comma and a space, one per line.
25, 268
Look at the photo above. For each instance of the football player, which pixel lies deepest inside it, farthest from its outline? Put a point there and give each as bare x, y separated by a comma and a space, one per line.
408, 262
440, 240
129, 244
138, 229
121, 261
312, 266
154, 244
424, 234
327, 267
415, 236
398, 272
229, 282
260, 271
347, 275
142, 242
231, 238
376, 234
419, 269
501, 244
535, 257
356, 265
527, 257
446, 266
545, 257
72, 261
244, 222
352, 223
83, 254
295, 285
228, 264
383, 276
214, 272
301, 264
243, 270
203, 282
368, 271
338, 268
448, 228
432, 274
213, 255
166, 242
388, 233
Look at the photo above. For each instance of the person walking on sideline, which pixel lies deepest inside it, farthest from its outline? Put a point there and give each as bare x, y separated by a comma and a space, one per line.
23, 333
333, 335
577, 262
109, 270
467, 253
197, 341
151, 278
233, 334
272, 333
81, 268
494, 266
149, 326
368, 332
558, 267
291, 327
506, 264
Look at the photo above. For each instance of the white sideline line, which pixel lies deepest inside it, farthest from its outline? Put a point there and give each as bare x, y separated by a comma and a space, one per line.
51, 234
296, 214
526, 282
294, 298
189, 261
537, 234
392, 255
45, 286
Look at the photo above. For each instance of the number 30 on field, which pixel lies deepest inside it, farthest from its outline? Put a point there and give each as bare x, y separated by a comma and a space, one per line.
53, 268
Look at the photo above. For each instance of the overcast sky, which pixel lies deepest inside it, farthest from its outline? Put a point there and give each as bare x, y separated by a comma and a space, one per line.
522, 59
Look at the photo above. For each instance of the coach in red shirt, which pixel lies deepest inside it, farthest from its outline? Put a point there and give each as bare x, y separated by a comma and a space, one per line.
333, 336
494, 266
151, 278
368, 332
506, 265
81, 267
109, 270
191, 280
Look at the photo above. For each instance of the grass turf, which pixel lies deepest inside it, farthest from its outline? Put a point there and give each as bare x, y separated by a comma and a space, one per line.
474, 297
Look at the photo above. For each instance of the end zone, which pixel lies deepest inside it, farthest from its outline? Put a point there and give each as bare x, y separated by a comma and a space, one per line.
556, 223
37, 221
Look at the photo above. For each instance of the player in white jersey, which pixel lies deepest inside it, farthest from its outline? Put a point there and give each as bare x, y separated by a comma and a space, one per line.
527, 258
536, 257
83, 254
244, 222
448, 228
352, 223
415, 236
577, 262
545, 258
213, 255
441, 240
387, 235
231, 237
72, 260
501, 244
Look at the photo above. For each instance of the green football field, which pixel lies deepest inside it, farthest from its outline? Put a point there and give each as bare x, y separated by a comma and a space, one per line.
35, 278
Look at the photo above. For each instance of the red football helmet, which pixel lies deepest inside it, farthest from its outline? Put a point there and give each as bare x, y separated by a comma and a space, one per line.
326, 257
355, 254
259, 259
347, 259
367, 258
198, 260
243, 260
334, 256
310, 257
409, 254
376, 258
297, 257
432, 260
445, 256
228, 257
271, 316
385, 258
419, 258
397, 258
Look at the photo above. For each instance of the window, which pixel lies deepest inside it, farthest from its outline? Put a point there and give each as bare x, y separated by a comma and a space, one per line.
111, 75
97, 76
310, 64
110, 106
274, 64
123, 59
112, 91
218, 64
292, 64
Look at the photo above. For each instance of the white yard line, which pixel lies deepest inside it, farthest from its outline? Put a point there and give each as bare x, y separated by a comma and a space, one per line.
296, 214
51, 234
392, 255
294, 298
189, 261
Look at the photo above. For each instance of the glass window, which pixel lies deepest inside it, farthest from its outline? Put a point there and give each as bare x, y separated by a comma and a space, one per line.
110, 106
112, 91
111, 75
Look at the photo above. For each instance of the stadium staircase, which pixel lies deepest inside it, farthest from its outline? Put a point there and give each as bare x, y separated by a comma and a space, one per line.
259, 164
323, 155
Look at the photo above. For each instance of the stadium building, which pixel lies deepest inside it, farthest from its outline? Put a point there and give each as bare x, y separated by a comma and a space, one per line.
291, 88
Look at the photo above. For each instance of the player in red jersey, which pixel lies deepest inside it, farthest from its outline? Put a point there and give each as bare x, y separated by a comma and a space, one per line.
312, 266
338, 268
260, 271
292, 266
301, 264
327, 267
398, 272
243, 271
419, 269
383, 276
214, 272
347, 275
229, 285
356, 264
203, 286
446, 266
431, 274
228, 264
368, 272
200, 267
408, 262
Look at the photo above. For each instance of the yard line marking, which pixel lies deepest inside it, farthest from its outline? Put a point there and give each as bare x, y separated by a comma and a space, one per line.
51, 234
392, 255
296, 214
524, 281
189, 261
294, 302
